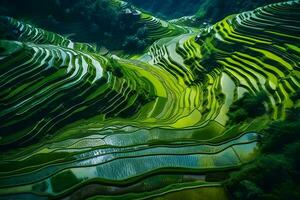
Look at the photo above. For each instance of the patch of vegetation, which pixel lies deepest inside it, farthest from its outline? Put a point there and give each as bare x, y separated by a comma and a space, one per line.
103, 22
137, 42
206, 10
169, 8
213, 11
274, 175
249, 106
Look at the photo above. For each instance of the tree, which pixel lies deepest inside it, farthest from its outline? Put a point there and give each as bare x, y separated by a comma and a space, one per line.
249, 106
275, 173
133, 44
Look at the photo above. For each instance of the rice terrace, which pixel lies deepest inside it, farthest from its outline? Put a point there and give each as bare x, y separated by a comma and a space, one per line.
110, 99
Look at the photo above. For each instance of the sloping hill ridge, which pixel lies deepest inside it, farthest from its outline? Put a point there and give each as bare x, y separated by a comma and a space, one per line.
206, 10
149, 127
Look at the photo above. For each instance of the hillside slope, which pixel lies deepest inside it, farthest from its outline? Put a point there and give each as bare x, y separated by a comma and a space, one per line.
206, 10
78, 125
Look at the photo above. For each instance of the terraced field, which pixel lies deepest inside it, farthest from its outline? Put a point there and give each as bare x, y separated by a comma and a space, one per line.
77, 125
160, 29
15, 30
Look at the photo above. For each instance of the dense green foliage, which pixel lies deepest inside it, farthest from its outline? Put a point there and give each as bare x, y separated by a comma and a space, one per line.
249, 106
102, 21
105, 22
169, 8
274, 175
215, 10
207, 10
137, 42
